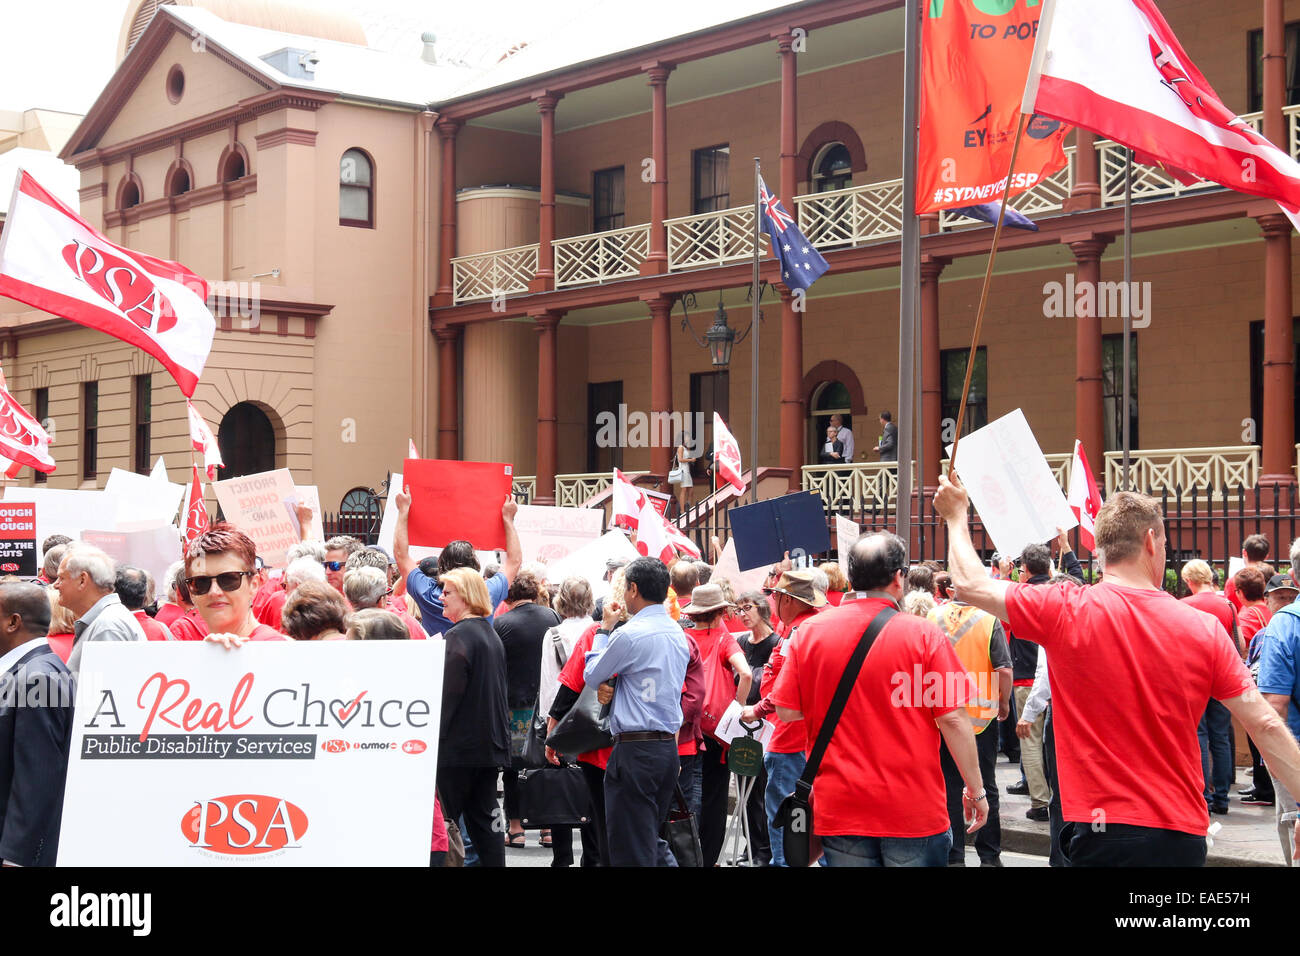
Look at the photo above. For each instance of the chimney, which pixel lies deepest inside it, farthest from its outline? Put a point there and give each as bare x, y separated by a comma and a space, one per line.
429, 55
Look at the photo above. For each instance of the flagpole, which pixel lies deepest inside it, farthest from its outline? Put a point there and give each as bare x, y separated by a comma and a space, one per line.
984, 294
1128, 299
909, 275
754, 325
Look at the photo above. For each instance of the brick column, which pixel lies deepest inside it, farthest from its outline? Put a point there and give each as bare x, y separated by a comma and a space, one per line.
1087, 355
931, 377
545, 278
656, 260
661, 376
792, 410
447, 212
1086, 192
448, 393
548, 435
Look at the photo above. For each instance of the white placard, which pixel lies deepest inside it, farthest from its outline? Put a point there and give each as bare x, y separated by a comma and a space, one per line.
1234, 565
66, 510
154, 550
590, 560
143, 502
550, 534
258, 505
310, 496
729, 567
1011, 485
729, 728
846, 536
287, 750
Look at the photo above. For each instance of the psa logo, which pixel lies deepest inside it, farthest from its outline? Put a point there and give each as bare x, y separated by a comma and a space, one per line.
334, 746
244, 824
8, 566
414, 747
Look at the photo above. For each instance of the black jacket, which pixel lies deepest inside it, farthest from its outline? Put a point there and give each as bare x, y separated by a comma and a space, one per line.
475, 728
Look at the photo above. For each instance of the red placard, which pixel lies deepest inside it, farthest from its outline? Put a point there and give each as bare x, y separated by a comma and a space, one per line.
453, 500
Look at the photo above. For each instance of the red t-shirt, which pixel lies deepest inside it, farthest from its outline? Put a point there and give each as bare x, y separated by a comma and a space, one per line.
834, 598
881, 775
271, 610
717, 646
168, 613
1252, 619
189, 627
264, 633
61, 644
786, 738
152, 629
1215, 604
1132, 671
571, 677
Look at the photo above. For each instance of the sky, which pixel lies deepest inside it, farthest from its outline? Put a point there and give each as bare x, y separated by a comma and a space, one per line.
67, 48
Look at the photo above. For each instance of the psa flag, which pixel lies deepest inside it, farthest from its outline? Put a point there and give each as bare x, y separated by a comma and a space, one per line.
801, 263
23, 441
973, 69
1083, 497
52, 259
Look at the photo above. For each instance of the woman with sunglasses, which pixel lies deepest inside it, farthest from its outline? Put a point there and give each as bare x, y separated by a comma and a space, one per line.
219, 571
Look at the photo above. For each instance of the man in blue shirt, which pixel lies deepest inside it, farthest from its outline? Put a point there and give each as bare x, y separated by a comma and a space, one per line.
1279, 682
424, 587
649, 655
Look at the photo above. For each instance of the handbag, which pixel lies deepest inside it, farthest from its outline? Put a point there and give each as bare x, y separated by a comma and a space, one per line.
681, 833
795, 814
584, 728
554, 797
533, 752
675, 475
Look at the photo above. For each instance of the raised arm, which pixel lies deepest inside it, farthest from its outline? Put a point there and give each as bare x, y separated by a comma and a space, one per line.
974, 586
401, 536
514, 551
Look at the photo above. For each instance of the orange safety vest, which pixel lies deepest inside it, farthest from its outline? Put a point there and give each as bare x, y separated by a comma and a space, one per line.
970, 631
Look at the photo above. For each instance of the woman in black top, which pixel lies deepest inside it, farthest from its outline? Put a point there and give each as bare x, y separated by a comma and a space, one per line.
756, 612
474, 736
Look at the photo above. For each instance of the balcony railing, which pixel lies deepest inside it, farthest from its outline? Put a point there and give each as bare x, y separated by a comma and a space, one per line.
1047, 197
1168, 469
852, 216
712, 238
574, 491
601, 256
493, 274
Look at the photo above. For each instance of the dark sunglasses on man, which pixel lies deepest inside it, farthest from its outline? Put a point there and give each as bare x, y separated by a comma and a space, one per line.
334, 565
228, 581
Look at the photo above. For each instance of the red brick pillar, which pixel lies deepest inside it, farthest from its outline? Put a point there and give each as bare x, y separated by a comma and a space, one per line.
447, 213
448, 393
661, 377
1086, 193
548, 436
544, 281
792, 410
656, 260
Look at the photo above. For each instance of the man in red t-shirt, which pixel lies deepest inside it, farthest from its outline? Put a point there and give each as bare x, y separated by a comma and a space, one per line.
1218, 762
1131, 670
1254, 551
879, 797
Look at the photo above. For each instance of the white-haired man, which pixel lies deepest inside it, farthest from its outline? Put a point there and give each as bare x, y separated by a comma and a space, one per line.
86, 581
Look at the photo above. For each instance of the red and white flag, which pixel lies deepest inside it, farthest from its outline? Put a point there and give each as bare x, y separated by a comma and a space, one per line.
680, 543
627, 502
1084, 498
23, 441
202, 439
1115, 67
651, 533
726, 456
196, 515
52, 259
410, 449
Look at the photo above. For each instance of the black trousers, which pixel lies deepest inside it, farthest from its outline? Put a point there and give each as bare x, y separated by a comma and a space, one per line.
1055, 821
988, 838
1010, 743
593, 834
715, 786
1122, 844
639, 785
1263, 783
471, 793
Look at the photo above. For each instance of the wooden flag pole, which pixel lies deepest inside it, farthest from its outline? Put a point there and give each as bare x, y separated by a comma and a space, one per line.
984, 294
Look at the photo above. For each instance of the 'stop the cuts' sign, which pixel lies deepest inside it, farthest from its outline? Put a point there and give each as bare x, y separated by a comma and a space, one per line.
273, 754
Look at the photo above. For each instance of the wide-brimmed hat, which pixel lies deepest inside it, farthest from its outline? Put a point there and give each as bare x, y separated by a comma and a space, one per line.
799, 585
1280, 582
704, 599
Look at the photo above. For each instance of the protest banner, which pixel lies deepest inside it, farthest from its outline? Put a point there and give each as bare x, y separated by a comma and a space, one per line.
154, 550
590, 561
766, 530
457, 500
846, 535
1011, 484
549, 534
143, 501
259, 505
66, 510
18, 540
741, 581
309, 495
275, 754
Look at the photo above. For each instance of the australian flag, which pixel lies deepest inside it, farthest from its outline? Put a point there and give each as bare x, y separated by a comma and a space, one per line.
801, 263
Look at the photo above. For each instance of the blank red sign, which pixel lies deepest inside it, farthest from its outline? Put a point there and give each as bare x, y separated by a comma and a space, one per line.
454, 500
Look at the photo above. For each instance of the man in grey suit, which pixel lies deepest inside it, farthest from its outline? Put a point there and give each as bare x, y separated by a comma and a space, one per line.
87, 587
888, 446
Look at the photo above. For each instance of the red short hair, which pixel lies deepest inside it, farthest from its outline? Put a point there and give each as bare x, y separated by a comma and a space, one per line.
222, 538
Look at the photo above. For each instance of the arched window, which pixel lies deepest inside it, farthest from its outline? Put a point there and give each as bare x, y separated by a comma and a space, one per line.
178, 181
356, 189
129, 193
833, 168
830, 398
233, 165
247, 441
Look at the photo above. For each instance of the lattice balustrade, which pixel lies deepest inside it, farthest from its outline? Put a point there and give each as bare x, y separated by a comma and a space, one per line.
601, 256
492, 274
1168, 469
713, 238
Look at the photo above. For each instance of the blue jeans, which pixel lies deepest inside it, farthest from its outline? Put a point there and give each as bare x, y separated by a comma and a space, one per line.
1217, 758
887, 851
782, 772
690, 781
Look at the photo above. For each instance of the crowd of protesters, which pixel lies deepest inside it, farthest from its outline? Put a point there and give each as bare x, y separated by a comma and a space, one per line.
1116, 699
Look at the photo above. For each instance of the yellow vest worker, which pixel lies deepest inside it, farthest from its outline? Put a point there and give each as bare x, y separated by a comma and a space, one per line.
972, 634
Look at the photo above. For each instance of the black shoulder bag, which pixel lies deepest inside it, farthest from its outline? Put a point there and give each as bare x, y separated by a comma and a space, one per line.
795, 815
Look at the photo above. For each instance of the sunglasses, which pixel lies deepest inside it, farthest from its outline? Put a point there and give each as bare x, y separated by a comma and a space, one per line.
228, 581
334, 565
